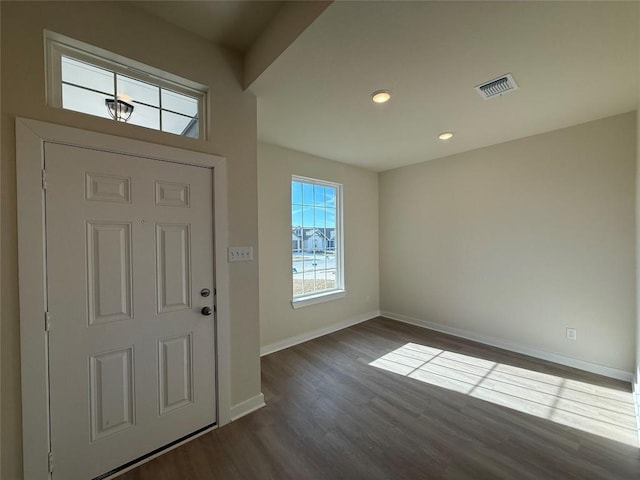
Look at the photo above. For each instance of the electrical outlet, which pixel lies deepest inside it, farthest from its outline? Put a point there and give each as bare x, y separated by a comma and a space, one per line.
572, 333
240, 254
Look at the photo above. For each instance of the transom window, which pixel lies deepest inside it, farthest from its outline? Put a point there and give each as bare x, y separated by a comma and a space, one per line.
88, 80
316, 238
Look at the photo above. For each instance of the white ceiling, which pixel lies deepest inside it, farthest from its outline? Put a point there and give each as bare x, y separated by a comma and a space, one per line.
574, 62
233, 24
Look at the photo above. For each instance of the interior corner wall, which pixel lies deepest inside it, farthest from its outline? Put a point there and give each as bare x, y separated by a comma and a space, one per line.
232, 134
637, 364
518, 241
280, 324
636, 370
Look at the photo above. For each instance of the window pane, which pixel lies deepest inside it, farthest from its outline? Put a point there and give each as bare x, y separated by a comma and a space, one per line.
331, 246
179, 103
297, 285
193, 129
320, 218
315, 243
85, 101
325, 281
310, 260
307, 194
138, 91
307, 219
318, 195
331, 218
145, 116
296, 216
85, 75
179, 124
330, 196
331, 279
314, 238
296, 193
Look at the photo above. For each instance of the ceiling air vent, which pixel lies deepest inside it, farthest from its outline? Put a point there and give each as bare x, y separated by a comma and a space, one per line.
497, 86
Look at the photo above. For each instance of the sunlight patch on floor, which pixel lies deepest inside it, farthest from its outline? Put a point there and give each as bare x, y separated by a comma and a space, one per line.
594, 409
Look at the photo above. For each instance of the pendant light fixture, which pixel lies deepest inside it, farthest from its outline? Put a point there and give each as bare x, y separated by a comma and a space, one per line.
119, 108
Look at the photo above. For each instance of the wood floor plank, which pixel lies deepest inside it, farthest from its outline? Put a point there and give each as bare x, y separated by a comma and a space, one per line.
454, 409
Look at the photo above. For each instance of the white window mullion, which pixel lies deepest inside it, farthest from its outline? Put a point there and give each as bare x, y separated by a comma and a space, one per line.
160, 106
115, 91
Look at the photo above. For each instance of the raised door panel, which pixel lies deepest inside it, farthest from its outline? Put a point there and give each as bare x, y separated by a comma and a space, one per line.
172, 194
107, 188
109, 272
112, 396
173, 252
175, 373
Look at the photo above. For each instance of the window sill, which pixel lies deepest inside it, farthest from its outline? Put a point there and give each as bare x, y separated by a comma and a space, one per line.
319, 298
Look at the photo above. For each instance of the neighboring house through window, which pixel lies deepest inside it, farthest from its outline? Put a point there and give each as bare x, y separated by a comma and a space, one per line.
316, 242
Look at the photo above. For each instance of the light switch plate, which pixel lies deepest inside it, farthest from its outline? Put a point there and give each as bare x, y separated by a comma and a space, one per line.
240, 254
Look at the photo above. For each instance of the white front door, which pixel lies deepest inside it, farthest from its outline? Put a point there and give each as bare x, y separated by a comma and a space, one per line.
131, 353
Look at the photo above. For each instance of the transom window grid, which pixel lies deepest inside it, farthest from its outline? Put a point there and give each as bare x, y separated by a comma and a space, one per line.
316, 237
82, 77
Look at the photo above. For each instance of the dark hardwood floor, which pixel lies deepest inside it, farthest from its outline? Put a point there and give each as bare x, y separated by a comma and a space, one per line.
332, 415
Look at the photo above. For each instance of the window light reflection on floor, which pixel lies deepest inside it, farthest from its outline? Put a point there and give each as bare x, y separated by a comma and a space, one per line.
591, 408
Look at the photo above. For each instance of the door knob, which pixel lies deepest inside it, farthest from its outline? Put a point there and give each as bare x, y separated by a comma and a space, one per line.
207, 311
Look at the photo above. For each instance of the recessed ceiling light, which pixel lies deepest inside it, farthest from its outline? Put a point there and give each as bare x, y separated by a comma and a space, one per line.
381, 96
445, 135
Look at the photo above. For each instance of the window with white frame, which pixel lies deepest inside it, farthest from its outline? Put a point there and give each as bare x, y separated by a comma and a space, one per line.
90, 80
316, 238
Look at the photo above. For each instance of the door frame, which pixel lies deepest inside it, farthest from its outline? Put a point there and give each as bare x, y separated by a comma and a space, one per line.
31, 136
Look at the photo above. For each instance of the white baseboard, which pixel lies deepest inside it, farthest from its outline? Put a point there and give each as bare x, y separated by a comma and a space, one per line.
247, 407
305, 337
514, 347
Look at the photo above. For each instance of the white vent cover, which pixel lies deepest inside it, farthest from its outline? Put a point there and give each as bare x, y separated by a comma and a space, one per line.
497, 86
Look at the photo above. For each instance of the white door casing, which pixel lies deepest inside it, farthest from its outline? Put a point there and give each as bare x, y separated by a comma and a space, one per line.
34, 138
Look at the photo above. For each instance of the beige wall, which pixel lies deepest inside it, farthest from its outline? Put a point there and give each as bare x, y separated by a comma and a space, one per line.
637, 365
278, 320
518, 241
233, 135
291, 20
